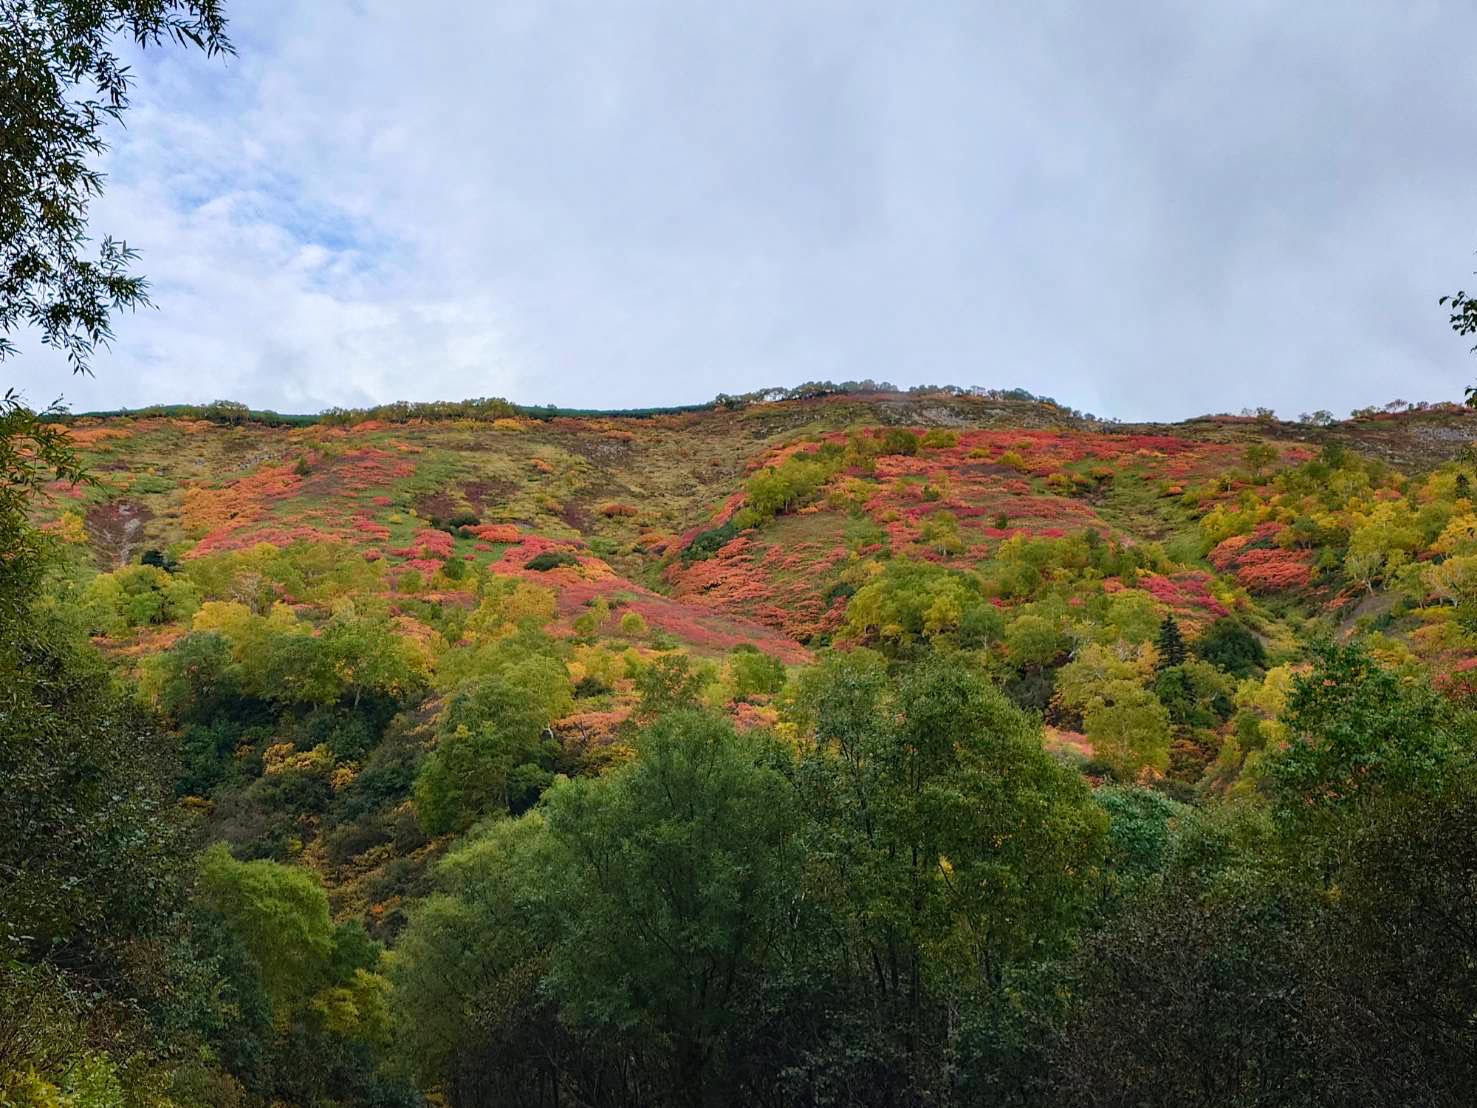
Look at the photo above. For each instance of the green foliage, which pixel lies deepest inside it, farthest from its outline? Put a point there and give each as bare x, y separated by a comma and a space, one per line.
777, 489
492, 753
1195, 693
709, 542
33, 452
1171, 643
278, 659
469, 964
899, 440
951, 813
551, 559
675, 876
281, 915
667, 683
1258, 456
49, 50
1231, 645
137, 596
1033, 640
1140, 835
1233, 979
90, 858
910, 602
754, 673
1359, 730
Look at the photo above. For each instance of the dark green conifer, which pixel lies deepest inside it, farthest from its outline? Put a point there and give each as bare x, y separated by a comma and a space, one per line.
1171, 643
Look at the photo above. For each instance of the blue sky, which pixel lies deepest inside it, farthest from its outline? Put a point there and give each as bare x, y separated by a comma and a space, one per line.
1150, 211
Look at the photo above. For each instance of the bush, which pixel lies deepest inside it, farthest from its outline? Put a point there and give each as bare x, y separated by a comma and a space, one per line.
587, 687
899, 440
550, 559
1230, 644
709, 542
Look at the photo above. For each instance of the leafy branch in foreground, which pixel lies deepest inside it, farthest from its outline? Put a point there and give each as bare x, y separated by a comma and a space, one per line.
33, 453
50, 129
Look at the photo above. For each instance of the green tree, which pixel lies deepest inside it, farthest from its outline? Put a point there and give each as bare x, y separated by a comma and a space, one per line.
280, 913
50, 50
492, 752
1171, 643
754, 672
946, 840
1359, 730
33, 452
1258, 456
1128, 728
469, 1014
667, 683
675, 876
90, 855
1230, 644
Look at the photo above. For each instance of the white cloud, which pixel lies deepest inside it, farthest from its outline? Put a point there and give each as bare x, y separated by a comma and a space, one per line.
647, 202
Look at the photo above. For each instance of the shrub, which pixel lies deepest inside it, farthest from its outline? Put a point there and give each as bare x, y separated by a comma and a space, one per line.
1229, 644
550, 559
709, 542
587, 687
899, 440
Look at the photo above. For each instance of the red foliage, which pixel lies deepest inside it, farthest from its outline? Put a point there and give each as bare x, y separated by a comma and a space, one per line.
1187, 594
1226, 552
1270, 570
495, 532
429, 546
371, 528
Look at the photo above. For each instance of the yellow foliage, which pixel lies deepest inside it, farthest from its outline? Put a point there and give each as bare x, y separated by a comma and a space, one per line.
281, 757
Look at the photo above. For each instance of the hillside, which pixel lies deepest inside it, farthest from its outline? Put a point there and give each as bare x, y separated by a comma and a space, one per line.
370, 641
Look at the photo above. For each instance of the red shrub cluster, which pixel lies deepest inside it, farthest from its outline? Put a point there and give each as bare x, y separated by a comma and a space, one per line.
1226, 552
229, 538
1271, 570
1188, 594
495, 532
366, 526
427, 545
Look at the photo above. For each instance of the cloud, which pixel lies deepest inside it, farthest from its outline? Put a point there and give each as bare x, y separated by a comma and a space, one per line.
1151, 214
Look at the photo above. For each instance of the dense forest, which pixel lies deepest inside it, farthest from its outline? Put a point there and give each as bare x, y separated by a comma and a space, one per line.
854, 748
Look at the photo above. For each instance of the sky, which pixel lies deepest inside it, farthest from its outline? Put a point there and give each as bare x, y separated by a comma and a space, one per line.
1147, 210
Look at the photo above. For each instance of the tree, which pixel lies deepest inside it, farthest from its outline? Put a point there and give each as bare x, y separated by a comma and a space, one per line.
1463, 321
948, 846
667, 683
754, 673
33, 452
1359, 730
91, 852
1258, 456
1171, 643
49, 50
280, 913
674, 879
469, 1015
1230, 644
492, 754
1128, 728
